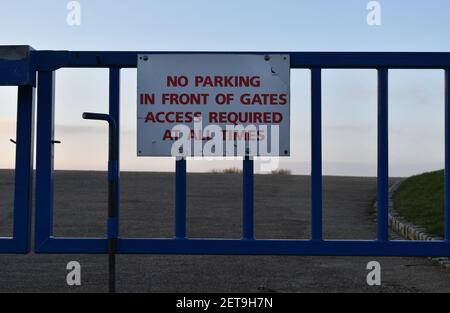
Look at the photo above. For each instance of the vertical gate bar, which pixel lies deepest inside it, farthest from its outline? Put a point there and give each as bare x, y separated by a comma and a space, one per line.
247, 199
316, 154
113, 203
114, 169
447, 157
180, 199
383, 157
114, 112
24, 167
44, 157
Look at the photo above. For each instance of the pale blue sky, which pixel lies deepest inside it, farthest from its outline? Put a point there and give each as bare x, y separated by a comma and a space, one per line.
349, 113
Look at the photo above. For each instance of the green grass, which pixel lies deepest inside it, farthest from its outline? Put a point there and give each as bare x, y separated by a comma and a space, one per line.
420, 199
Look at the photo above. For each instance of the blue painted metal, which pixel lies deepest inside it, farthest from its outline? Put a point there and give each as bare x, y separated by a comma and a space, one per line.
20, 241
44, 158
247, 199
46, 62
24, 168
249, 247
114, 161
16, 66
112, 227
53, 60
114, 99
383, 157
447, 157
316, 154
113, 170
180, 199
15, 70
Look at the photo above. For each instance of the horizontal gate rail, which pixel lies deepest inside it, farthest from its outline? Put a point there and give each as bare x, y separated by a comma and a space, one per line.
53, 60
249, 247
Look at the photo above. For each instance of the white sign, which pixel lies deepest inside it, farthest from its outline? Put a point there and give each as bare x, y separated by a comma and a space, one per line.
213, 105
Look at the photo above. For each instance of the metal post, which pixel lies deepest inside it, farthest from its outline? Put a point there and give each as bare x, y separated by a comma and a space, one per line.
383, 156
180, 199
316, 154
247, 199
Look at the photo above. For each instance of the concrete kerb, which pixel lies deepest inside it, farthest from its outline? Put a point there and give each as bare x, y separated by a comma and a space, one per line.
408, 230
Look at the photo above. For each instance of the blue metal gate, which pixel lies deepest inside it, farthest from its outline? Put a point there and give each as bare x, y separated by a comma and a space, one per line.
45, 63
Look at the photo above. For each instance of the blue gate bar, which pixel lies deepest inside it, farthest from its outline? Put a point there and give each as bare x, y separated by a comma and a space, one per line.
114, 112
53, 60
447, 157
316, 154
16, 66
249, 247
247, 199
24, 167
44, 157
383, 157
180, 199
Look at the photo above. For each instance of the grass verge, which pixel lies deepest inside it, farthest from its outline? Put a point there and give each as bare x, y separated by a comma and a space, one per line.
420, 199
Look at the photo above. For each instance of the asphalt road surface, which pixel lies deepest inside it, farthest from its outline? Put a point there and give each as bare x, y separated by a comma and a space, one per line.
214, 210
